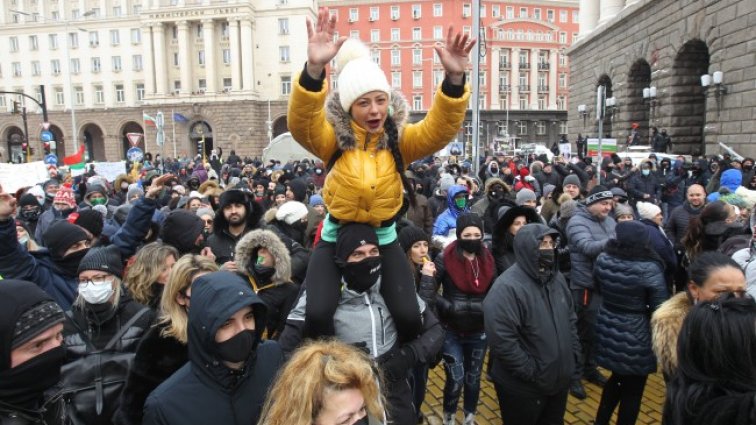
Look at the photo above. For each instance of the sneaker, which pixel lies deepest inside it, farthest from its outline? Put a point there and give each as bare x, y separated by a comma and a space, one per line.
469, 419
449, 419
595, 377
577, 390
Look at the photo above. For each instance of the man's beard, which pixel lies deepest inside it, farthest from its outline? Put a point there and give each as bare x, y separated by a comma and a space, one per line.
235, 220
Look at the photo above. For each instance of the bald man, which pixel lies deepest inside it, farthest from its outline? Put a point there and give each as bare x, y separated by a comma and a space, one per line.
677, 226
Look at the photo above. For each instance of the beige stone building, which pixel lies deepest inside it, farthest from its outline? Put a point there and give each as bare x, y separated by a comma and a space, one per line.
697, 57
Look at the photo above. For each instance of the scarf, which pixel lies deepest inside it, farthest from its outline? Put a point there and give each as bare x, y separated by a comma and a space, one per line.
471, 277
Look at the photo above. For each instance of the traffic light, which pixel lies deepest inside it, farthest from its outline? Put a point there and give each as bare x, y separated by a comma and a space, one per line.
15, 107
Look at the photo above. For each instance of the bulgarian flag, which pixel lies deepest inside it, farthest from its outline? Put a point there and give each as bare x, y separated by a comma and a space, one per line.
148, 120
75, 161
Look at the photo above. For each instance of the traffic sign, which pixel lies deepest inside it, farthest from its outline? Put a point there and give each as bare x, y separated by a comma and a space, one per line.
134, 138
51, 159
45, 126
160, 137
135, 155
46, 136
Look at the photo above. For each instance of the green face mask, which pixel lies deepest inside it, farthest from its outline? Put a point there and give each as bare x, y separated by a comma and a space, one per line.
98, 201
460, 202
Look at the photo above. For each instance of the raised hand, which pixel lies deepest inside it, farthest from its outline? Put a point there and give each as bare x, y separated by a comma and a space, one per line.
157, 185
455, 55
7, 205
321, 47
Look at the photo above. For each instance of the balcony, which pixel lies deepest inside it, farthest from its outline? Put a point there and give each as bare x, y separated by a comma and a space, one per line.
543, 66
504, 65
543, 89
524, 88
524, 65
505, 88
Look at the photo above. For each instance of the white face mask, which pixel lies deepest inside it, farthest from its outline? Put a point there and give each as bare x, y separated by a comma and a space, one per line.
96, 292
23, 240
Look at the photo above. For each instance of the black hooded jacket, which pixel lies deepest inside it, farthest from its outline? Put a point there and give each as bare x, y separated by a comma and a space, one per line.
205, 390
222, 242
531, 326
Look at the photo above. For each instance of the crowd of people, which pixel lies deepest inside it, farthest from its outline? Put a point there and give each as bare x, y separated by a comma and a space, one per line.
322, 292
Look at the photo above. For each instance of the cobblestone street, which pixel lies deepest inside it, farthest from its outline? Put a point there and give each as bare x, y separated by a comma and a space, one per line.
579, 412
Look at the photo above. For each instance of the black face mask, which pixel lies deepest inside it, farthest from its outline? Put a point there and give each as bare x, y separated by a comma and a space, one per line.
473, 246
239, 347
31, 214
362, 275
24, 384
546, 262
263, 273
69, 265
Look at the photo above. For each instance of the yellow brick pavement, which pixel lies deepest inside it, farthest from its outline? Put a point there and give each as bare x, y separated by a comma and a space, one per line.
579, 412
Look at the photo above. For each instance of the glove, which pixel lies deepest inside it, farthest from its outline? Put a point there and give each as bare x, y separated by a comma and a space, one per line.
396, 363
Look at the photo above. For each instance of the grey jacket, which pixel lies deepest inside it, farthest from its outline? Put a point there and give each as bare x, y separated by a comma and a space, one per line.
587, 238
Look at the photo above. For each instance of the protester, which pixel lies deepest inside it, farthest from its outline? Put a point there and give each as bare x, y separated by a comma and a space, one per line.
148, 274
237, 215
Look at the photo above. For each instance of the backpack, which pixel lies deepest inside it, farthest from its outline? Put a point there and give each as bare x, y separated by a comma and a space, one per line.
91, 386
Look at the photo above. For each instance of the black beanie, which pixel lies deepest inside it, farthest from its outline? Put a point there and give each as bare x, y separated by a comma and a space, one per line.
61, 235
107, 259
598, 193
410, 235
181, 229
466, 220
28, 200
351, 237
233, 196
91, 220
299, 189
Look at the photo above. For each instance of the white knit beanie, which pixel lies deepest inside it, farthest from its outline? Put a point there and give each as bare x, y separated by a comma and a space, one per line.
647, 210
291, 212
358, 74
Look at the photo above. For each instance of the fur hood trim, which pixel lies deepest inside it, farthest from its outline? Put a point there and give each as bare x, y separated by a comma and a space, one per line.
270, 215
666, 323
495, 180
342, 121
264, 239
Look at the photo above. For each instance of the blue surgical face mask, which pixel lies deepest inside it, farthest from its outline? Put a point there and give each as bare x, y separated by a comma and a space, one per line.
645, 172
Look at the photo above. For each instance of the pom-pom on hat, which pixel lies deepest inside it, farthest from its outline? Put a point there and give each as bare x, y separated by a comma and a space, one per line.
358, 74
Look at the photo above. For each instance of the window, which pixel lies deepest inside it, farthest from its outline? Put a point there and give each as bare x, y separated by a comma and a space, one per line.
73, 40
176, 86
354, 34
283, 26
226, 56
562, 80
495, 11
543, 81
561, 104
395, 34
117, 11
395, 57
202, 85
200, 31
79, 95
136, 36
116, 63
139, 92
175, 59
354, 14
201, 57
466, 10
563, 16
375, 55
574, 37
540, 127
522, 81
375, 35
523, 58
283, 53
542, 104
95, 12
550, 15
436, 59
438, 77
417, 79
55, 15
416, 11
36, 68
417, 56
286, 85
394, 13
174, 32
115, 37
137, 9
522, 126
136, 61
396, 80
96, 64
16, 66
227, 84
75, 66
373, 14
563, 126
75, 14
60, 99
417, 34
562, 59
438, 9
99, 95
466, 30
225, 29
120, 94
504, 82
563, 37
55, 66
537, 14
94, 39
438, 32
510, 12
33, 43
53, 39
523, 12
575, 16
417, 102
482, 11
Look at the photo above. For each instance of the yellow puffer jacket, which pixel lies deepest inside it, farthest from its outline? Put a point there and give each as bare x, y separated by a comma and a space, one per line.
363, 186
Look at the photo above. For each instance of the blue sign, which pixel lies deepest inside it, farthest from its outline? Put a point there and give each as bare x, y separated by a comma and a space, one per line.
51, 159
135, 155
46, 136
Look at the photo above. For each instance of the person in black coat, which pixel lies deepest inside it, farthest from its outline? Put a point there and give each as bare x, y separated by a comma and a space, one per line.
651, 216
502, 241
630, 276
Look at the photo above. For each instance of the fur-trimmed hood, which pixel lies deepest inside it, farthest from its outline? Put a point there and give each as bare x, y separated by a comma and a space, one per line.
252, 241
495, 180
666, 323
342, 121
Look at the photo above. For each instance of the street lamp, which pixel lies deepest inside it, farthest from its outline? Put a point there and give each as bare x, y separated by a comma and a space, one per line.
649, 96
715, 84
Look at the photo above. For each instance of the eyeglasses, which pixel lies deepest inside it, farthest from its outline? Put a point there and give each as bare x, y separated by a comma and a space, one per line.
96, 280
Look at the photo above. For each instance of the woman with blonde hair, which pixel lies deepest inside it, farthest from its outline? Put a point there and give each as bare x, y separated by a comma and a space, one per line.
148, 274
163, 349
325, 383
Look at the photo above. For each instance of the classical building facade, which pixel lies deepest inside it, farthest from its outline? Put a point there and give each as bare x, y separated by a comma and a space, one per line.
697, 57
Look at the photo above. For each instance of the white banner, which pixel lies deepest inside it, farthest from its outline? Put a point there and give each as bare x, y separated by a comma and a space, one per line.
110, 170
565, 150
16, 176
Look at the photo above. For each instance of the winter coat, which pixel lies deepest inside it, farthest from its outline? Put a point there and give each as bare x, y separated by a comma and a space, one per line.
446, 222
731, 179
644, 185
502, 241
364, 185
662, 245
200, 173
632, 285
677, 224
300, 256
666, 323
531, 326
278, 293
745, 258
222, 242
44, 222
205, 391
587, 238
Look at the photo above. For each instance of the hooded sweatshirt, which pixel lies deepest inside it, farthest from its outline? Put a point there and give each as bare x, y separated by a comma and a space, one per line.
446, 222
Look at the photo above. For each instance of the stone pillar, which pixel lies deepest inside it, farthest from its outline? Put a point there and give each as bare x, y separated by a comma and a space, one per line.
233, 34
247, 52
149, 65
514, 80
210, 60
589, 14
534, 79
185, 57
609, 8
553, 62
161, 68
495, 72
4, 6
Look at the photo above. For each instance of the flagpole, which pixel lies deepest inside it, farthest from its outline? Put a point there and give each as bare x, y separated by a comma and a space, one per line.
173, 120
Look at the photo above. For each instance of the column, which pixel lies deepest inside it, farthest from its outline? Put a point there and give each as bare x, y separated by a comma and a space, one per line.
185, 61
534, 79
514, 80
104, 12
65, 12
147, 59
589, 14
247, 54
609, 8
3, 6
161, 68
495, 73
208, 26
233, 35
553, 62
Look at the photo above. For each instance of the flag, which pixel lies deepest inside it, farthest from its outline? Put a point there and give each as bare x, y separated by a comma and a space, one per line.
179, 118
148, 119
76, 159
